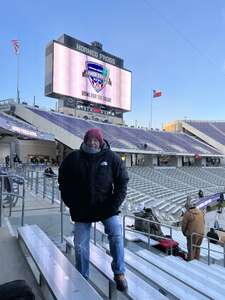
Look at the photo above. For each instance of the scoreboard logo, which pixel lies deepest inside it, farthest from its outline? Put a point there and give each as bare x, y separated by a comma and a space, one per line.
97, 74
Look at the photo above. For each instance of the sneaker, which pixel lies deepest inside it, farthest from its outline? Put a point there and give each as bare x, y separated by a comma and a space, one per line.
121, 282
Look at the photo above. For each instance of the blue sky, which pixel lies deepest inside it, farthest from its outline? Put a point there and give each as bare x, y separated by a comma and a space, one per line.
176, 46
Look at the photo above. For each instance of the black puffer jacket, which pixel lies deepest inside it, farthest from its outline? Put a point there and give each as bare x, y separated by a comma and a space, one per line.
93, 186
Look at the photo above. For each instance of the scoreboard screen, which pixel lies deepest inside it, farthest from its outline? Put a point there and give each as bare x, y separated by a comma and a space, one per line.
74, 74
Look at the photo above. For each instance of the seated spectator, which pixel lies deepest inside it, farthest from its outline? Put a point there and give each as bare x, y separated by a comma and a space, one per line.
34, 160
200, 194
213, 235
152, 228
49, 172
42, 161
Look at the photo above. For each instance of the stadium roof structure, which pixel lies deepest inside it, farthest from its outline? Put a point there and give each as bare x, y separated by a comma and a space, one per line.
70, 131
211, 132
10, 125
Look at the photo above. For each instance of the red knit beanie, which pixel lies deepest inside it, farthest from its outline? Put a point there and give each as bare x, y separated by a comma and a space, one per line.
94, 133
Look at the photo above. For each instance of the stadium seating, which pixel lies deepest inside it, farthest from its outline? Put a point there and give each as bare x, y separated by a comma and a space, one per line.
214, 130
122, 137
166, 189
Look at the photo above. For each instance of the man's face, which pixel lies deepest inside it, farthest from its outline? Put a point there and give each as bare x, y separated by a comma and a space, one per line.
93, 143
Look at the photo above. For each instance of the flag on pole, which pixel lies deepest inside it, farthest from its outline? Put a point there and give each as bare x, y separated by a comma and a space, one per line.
16, 45
156, 94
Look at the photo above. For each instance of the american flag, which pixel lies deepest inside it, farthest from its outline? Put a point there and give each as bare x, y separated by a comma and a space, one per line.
16, 45
157, 93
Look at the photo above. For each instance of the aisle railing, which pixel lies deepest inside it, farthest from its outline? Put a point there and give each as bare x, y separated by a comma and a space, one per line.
12, 189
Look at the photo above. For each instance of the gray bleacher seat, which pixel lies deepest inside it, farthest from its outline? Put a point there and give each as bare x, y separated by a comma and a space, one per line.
201, 283
63, 280
171, 286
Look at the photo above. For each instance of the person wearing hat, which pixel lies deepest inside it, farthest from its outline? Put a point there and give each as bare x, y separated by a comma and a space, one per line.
93, 183
193, 222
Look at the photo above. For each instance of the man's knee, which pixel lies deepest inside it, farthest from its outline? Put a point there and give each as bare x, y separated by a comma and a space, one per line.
79, 248
114, 229
115, 234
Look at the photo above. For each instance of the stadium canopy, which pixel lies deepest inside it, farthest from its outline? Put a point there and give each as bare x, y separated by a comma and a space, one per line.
10, 125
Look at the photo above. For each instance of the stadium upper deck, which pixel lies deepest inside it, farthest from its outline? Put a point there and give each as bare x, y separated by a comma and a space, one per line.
211, 132
122, 139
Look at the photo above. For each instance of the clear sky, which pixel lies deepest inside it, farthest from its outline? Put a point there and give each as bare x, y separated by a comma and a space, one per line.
177, 46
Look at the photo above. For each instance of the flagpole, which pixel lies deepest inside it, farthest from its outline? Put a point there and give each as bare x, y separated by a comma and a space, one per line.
151, 109
18, 79
16, 46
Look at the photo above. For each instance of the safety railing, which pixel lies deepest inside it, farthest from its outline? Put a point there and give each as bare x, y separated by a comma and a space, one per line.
12, 188
65, 212
209, 249
47, 185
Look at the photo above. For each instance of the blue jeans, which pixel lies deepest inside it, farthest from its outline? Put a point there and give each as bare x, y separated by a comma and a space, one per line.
113, 229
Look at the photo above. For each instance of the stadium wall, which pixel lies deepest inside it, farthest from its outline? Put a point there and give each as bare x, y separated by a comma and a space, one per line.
91, 115
26, 149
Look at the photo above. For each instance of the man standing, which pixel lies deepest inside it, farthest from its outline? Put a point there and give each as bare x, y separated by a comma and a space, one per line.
193, 222
93, 184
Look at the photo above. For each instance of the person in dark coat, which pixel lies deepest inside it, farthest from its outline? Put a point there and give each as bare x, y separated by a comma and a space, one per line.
200, 194
213, 235
16, 159
7, 161
93, 183
49, 172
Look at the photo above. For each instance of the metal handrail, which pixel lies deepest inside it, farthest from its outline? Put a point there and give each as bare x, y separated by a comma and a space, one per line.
208, 248
33, 179
2, 193
124, 227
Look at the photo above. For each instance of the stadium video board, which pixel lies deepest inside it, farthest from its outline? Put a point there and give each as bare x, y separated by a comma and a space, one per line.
77, 75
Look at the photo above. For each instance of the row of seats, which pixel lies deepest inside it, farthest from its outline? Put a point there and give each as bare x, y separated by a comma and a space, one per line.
166, 189
130, 138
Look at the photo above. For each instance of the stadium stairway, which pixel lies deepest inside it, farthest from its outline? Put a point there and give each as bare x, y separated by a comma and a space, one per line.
189, 273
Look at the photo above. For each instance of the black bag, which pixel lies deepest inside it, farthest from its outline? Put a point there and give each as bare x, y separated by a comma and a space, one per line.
17, 289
